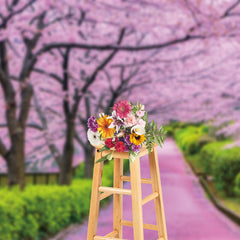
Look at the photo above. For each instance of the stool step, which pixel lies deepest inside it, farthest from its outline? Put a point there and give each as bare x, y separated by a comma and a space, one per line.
143, 180
146, 226
115, 190
112, 234
107, 238
150, 197
104, 195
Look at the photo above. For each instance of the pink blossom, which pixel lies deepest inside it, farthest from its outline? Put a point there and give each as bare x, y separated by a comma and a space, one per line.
141, 122
130, 120
122, 108
140, 113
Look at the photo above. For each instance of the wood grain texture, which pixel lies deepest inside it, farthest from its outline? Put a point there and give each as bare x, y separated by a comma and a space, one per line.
158, 201
136, 199
117, 198
95, 197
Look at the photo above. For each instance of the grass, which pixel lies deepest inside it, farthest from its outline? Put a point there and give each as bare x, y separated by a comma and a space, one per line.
232, 203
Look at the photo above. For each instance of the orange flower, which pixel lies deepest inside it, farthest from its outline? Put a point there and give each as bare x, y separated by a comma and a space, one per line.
104, 123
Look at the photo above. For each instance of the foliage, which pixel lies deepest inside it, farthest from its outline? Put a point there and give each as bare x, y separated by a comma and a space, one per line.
169, 129
153, 134
225, 169
40, 210
208, 153
211, 156
192, 138
205, 139
237, 185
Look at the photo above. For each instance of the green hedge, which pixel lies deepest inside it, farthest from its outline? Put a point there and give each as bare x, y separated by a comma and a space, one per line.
41, 210
207, 155
237, 185
225, 169
192, 138
210, 157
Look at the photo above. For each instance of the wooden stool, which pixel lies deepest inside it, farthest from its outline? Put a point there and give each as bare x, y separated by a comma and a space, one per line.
99, 192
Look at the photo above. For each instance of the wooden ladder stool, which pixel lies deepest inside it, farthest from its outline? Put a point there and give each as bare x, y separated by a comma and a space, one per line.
100, 192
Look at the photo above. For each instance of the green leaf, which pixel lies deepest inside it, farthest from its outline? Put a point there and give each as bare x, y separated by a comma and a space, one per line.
155, 127
151, 124
132, 156
104, 148
104, 158
110, 156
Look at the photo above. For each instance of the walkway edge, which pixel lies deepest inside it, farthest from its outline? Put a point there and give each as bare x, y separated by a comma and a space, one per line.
228, 212
231, 214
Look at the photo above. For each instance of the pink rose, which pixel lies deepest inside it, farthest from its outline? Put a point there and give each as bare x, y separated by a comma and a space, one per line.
140, 113
141, 122
130, 120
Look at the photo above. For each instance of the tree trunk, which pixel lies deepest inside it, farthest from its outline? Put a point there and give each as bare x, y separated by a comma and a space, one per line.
89, 161
65, 177
16, 162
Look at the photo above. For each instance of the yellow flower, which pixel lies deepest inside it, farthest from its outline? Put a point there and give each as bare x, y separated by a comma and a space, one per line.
103, 128
137, 139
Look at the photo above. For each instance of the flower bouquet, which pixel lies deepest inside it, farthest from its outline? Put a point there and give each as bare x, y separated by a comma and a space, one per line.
125, 130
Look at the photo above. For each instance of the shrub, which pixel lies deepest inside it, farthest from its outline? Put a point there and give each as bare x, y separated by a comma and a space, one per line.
237, 185
169, 129
207, 154
204, 140
192, 138
41, 210
225, 169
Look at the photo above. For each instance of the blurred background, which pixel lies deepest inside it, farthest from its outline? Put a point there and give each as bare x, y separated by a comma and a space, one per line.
63, 61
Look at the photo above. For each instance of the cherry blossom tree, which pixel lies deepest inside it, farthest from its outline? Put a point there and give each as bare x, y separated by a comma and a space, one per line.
59, 49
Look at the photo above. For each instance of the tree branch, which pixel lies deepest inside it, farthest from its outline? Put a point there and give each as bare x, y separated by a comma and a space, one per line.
35, 126
12, 14
65, 82
3, 149
115, 47
53, 149
79, 140
227, 12
97, 70
53, 75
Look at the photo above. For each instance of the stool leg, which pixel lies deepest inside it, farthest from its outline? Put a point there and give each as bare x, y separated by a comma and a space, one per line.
95, 197
156, 184
117, 198
136, 199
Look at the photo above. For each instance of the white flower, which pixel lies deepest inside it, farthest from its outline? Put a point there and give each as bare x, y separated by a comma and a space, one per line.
94, 138
138, 129
142, 107
117, 121
101, 114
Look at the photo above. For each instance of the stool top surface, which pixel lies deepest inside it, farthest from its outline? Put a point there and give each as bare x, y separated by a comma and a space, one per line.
124, 155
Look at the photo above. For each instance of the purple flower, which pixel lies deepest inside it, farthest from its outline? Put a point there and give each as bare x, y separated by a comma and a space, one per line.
136, 148
126, 148
127, 140
92, 124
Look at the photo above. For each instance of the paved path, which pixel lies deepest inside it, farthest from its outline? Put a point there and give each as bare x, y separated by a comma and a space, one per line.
189, 214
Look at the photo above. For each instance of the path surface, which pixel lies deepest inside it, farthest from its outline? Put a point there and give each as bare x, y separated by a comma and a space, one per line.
189, 214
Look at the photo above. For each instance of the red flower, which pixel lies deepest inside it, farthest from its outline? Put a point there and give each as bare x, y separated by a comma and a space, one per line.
109, 143
122, 108
120, 147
